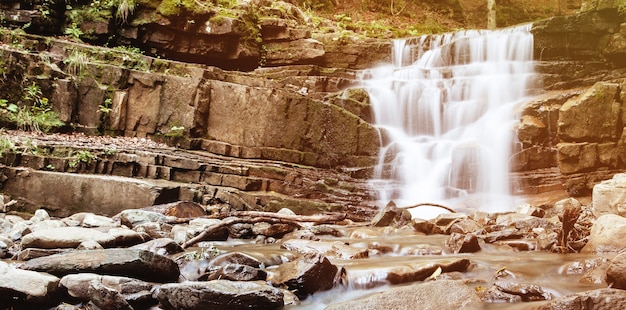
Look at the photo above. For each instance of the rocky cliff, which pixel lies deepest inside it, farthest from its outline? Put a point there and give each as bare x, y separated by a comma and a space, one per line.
292, 98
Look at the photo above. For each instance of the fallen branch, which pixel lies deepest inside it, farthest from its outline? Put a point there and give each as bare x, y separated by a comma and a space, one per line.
430, 204
319, 219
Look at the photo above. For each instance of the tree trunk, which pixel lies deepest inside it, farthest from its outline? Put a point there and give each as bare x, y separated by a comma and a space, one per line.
491, 14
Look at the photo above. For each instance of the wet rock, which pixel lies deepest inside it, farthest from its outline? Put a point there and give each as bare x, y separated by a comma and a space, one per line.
520, 245
134, 292
306, 275
465, 226
421, 249
65, 237
235, 272
609, 197
502, 235
616, 273
419, 271
607, 235
22, 287
462, 243
219, 294
327, 248
161, 246
494, 295
428, 295
138, 264
391, 215
234, 266
528, 292
425, 226
272, 230
107, 298
605, 298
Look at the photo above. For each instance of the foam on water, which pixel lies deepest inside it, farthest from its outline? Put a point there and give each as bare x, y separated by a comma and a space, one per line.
445, 110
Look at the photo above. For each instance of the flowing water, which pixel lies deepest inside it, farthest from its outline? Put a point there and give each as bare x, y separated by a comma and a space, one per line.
445, 110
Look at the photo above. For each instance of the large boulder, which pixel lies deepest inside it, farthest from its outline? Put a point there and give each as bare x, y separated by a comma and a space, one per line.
90, 286
219, 294
616, 273
23, 287
608, 234
66, 237
609, 196
309, 274
138, 264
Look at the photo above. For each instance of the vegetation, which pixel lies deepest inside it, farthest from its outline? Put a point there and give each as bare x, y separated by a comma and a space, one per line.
35, 113
83, 156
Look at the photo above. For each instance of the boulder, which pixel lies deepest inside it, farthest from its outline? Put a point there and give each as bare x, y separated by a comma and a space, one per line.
609, 196
66, 237
576, 157
102, 194
605, 298
441, 294
608, 234
391, 214
132, 217
335, 249
616, 273
138, 264
306, 275
462, 243
161, 246
219, 294
23, 287
94, 287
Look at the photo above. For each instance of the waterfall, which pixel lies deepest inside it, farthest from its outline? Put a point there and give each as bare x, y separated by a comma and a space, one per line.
445, 109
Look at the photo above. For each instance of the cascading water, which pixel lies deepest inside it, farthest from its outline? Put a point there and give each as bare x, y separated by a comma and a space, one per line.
445, 110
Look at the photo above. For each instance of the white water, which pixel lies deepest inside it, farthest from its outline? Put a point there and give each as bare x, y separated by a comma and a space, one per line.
445, 109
